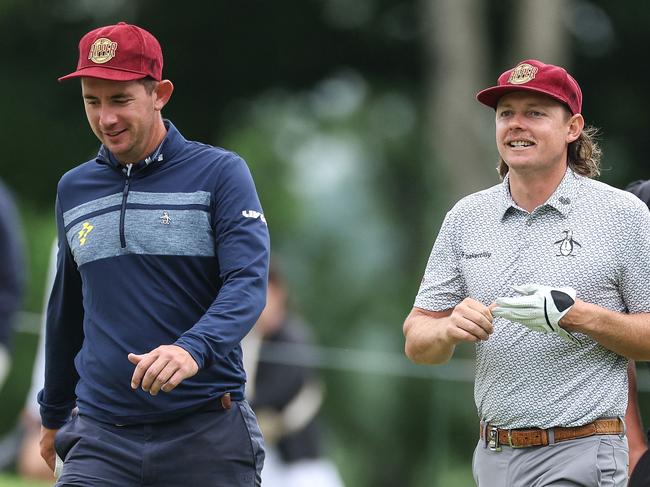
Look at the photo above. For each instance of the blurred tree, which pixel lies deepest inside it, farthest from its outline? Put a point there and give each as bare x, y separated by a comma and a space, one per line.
546, 38
457, 51
456, 59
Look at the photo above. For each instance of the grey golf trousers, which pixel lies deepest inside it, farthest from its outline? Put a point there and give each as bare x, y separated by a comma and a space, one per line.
595, 461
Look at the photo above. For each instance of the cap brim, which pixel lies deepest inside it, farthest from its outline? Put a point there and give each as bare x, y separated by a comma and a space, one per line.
104, 73
491, 96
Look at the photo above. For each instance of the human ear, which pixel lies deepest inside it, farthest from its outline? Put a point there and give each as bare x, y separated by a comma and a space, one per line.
574, 127
163, 93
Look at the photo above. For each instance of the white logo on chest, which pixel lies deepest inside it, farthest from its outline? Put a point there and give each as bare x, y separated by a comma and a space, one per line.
165, 219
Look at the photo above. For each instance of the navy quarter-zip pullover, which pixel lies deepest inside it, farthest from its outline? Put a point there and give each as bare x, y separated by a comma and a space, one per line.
171, 250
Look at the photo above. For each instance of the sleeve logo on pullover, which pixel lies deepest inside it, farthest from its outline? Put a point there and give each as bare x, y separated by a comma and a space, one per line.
254, 214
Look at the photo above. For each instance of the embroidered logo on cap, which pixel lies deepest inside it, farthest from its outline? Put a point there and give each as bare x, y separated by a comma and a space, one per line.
523, 73
102, 50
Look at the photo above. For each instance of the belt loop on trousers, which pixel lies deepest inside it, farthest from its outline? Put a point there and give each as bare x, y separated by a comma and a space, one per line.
624, 432
226, 401
484, 435
510, 443
551, 436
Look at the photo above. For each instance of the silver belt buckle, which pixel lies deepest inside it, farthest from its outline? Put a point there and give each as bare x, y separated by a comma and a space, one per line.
493, 438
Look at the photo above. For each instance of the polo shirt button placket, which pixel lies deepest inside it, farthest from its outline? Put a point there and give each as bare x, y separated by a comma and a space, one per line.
525, 237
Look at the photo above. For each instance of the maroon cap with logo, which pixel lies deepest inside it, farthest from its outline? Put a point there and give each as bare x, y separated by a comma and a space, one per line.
121, 52
534, 76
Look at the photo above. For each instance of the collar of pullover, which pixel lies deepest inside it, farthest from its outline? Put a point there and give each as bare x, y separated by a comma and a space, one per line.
170, 145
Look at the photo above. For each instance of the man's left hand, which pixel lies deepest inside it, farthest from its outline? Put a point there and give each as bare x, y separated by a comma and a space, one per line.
162, 369
46, 446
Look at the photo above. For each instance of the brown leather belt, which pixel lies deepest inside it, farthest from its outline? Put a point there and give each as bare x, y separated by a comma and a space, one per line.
523, 438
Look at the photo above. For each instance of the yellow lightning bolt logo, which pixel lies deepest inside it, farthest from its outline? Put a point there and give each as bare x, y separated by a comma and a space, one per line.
86, 228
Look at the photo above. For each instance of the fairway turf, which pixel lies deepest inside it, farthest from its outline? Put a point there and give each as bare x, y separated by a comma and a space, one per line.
14, 481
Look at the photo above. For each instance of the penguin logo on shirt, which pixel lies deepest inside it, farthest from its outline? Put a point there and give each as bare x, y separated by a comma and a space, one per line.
165, 219
567, 244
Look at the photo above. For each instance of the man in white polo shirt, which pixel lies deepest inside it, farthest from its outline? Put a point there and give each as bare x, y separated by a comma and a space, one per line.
547, 273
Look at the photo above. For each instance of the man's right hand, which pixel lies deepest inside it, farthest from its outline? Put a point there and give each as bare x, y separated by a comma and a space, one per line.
47, 446
431, 336
470, 321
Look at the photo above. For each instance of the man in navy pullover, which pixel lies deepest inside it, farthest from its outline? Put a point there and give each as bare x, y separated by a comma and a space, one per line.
162, 270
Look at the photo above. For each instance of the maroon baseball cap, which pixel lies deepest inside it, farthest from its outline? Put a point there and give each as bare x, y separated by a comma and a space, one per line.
535, 76
120, 52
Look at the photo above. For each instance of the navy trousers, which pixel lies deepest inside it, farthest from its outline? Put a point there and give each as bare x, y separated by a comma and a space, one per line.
222, 448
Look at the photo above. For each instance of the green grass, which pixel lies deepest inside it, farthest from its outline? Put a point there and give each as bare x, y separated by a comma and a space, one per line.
12, 395
13, 481
457, 476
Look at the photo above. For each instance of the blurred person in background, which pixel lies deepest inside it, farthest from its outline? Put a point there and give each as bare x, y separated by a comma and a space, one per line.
641, 189
286, 397
547, 274
29, 462
12, 272
636, 437
639, 454
161, 271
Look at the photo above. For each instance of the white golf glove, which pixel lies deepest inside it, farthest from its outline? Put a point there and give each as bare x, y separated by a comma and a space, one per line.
539, 308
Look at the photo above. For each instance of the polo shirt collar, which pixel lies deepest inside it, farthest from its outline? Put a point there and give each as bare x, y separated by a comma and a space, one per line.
562, 199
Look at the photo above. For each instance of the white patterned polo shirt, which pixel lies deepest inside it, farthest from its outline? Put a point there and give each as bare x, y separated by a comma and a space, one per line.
589, 236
